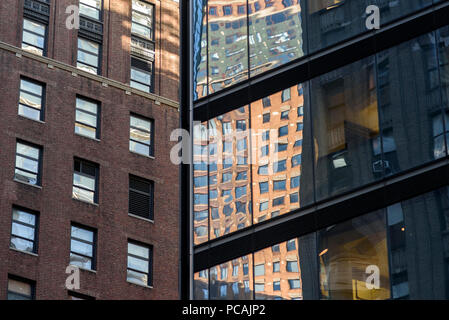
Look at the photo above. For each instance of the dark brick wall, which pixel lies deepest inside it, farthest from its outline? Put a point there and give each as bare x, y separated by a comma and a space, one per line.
60, 145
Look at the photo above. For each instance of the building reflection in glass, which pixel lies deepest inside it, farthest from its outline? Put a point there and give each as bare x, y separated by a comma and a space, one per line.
277, 275
346, 251
232, 280
200, 183
229, 172
346, 128
199, 21
201, 285
227, 43
275, 33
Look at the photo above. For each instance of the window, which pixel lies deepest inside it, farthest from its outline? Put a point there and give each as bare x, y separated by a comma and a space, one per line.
281, 147
23, 231
266, 102
33, 37
82, 247
263, 206
259, 287
278, 201
292, 266
276, 266
240, 192
291, 245
141, 74
280, 166
266, 135
265, 150
31, 99
28, 163
245, 269
286, 95
299, 126
226, 177
224, 273
294, 197
259, 270
88, 56
294, 283
296, 160
142, 19
283, 131
227, 10
240, 125
85, 178
266, 117
263, 170
87, 118
241, 176
79, 296
91, 8
20, 289
279, 185
263, 186
139, 264
276, 248
284, 115
298, 143
276, 285
141, 135
141, 197
294, 182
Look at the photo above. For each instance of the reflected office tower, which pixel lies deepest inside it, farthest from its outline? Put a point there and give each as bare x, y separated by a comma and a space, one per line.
345, 131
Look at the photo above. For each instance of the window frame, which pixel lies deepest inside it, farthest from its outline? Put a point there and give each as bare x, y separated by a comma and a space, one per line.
97, 178
150, 261
39, 160
35, 227
153, 11
42, 97
44, 49
150, 195
100, 11
93, 259
23, 280
135, 67
152, 129
99, 55
97, 116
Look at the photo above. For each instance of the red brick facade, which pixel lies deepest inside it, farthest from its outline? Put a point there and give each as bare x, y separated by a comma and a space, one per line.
53, 200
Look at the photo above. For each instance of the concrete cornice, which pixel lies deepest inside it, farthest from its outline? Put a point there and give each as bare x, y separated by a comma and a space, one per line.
75, 71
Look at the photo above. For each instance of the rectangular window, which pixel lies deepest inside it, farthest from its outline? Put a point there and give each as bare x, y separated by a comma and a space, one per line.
82, 247
266, 135
279, 185
296, 160
23, 231
294, 197
284, 115
292, 266
259, 270
265, 150
34, 37
276, 286
87, 120
28, 163
283, 131
141, 197
263, 206
278, 201
266, 117
241, 176
142, 19
20, 289
141, 135
280, 166
85, 180
263, 186
141, 74
31, 99
139, 264
291, 245
294, 182
294, 283
91, 8
281, 147
88, 56
263, 170
276, 266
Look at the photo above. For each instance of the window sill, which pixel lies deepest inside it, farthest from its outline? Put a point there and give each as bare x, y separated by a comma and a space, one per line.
38, 121
86, 202
24, 252
139, 285
28, 184
143, 155
140, 218
86, 137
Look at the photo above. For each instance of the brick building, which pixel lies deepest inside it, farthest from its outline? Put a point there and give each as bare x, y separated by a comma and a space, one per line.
84, 143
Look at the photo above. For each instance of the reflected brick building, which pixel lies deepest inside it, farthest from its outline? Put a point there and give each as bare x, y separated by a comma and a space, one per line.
87, 116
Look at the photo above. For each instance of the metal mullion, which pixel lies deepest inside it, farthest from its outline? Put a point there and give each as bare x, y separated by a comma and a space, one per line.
142, 83
144, 130
23, 223
85, 124
87, 64
31, 107
89, 52
82, 240
32, 45
138, 257
35, 33
27, 157
25, 170
23, 238
88, 112
83, 188
82, 255
149, 145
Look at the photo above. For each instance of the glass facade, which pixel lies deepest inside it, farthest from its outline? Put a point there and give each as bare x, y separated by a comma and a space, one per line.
340, 132
403, 246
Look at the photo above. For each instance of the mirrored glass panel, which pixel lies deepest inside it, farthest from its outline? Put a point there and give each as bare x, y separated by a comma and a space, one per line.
275, 33
227, 43
232, 280
277, 274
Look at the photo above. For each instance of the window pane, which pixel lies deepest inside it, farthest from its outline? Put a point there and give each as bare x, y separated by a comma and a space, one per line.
21, 244
82, 262
19, 287
138, 250
82, 234
27, 150
22, 216
138, 264
136, 277
23, 231
83, 181
81, 248
82, 194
